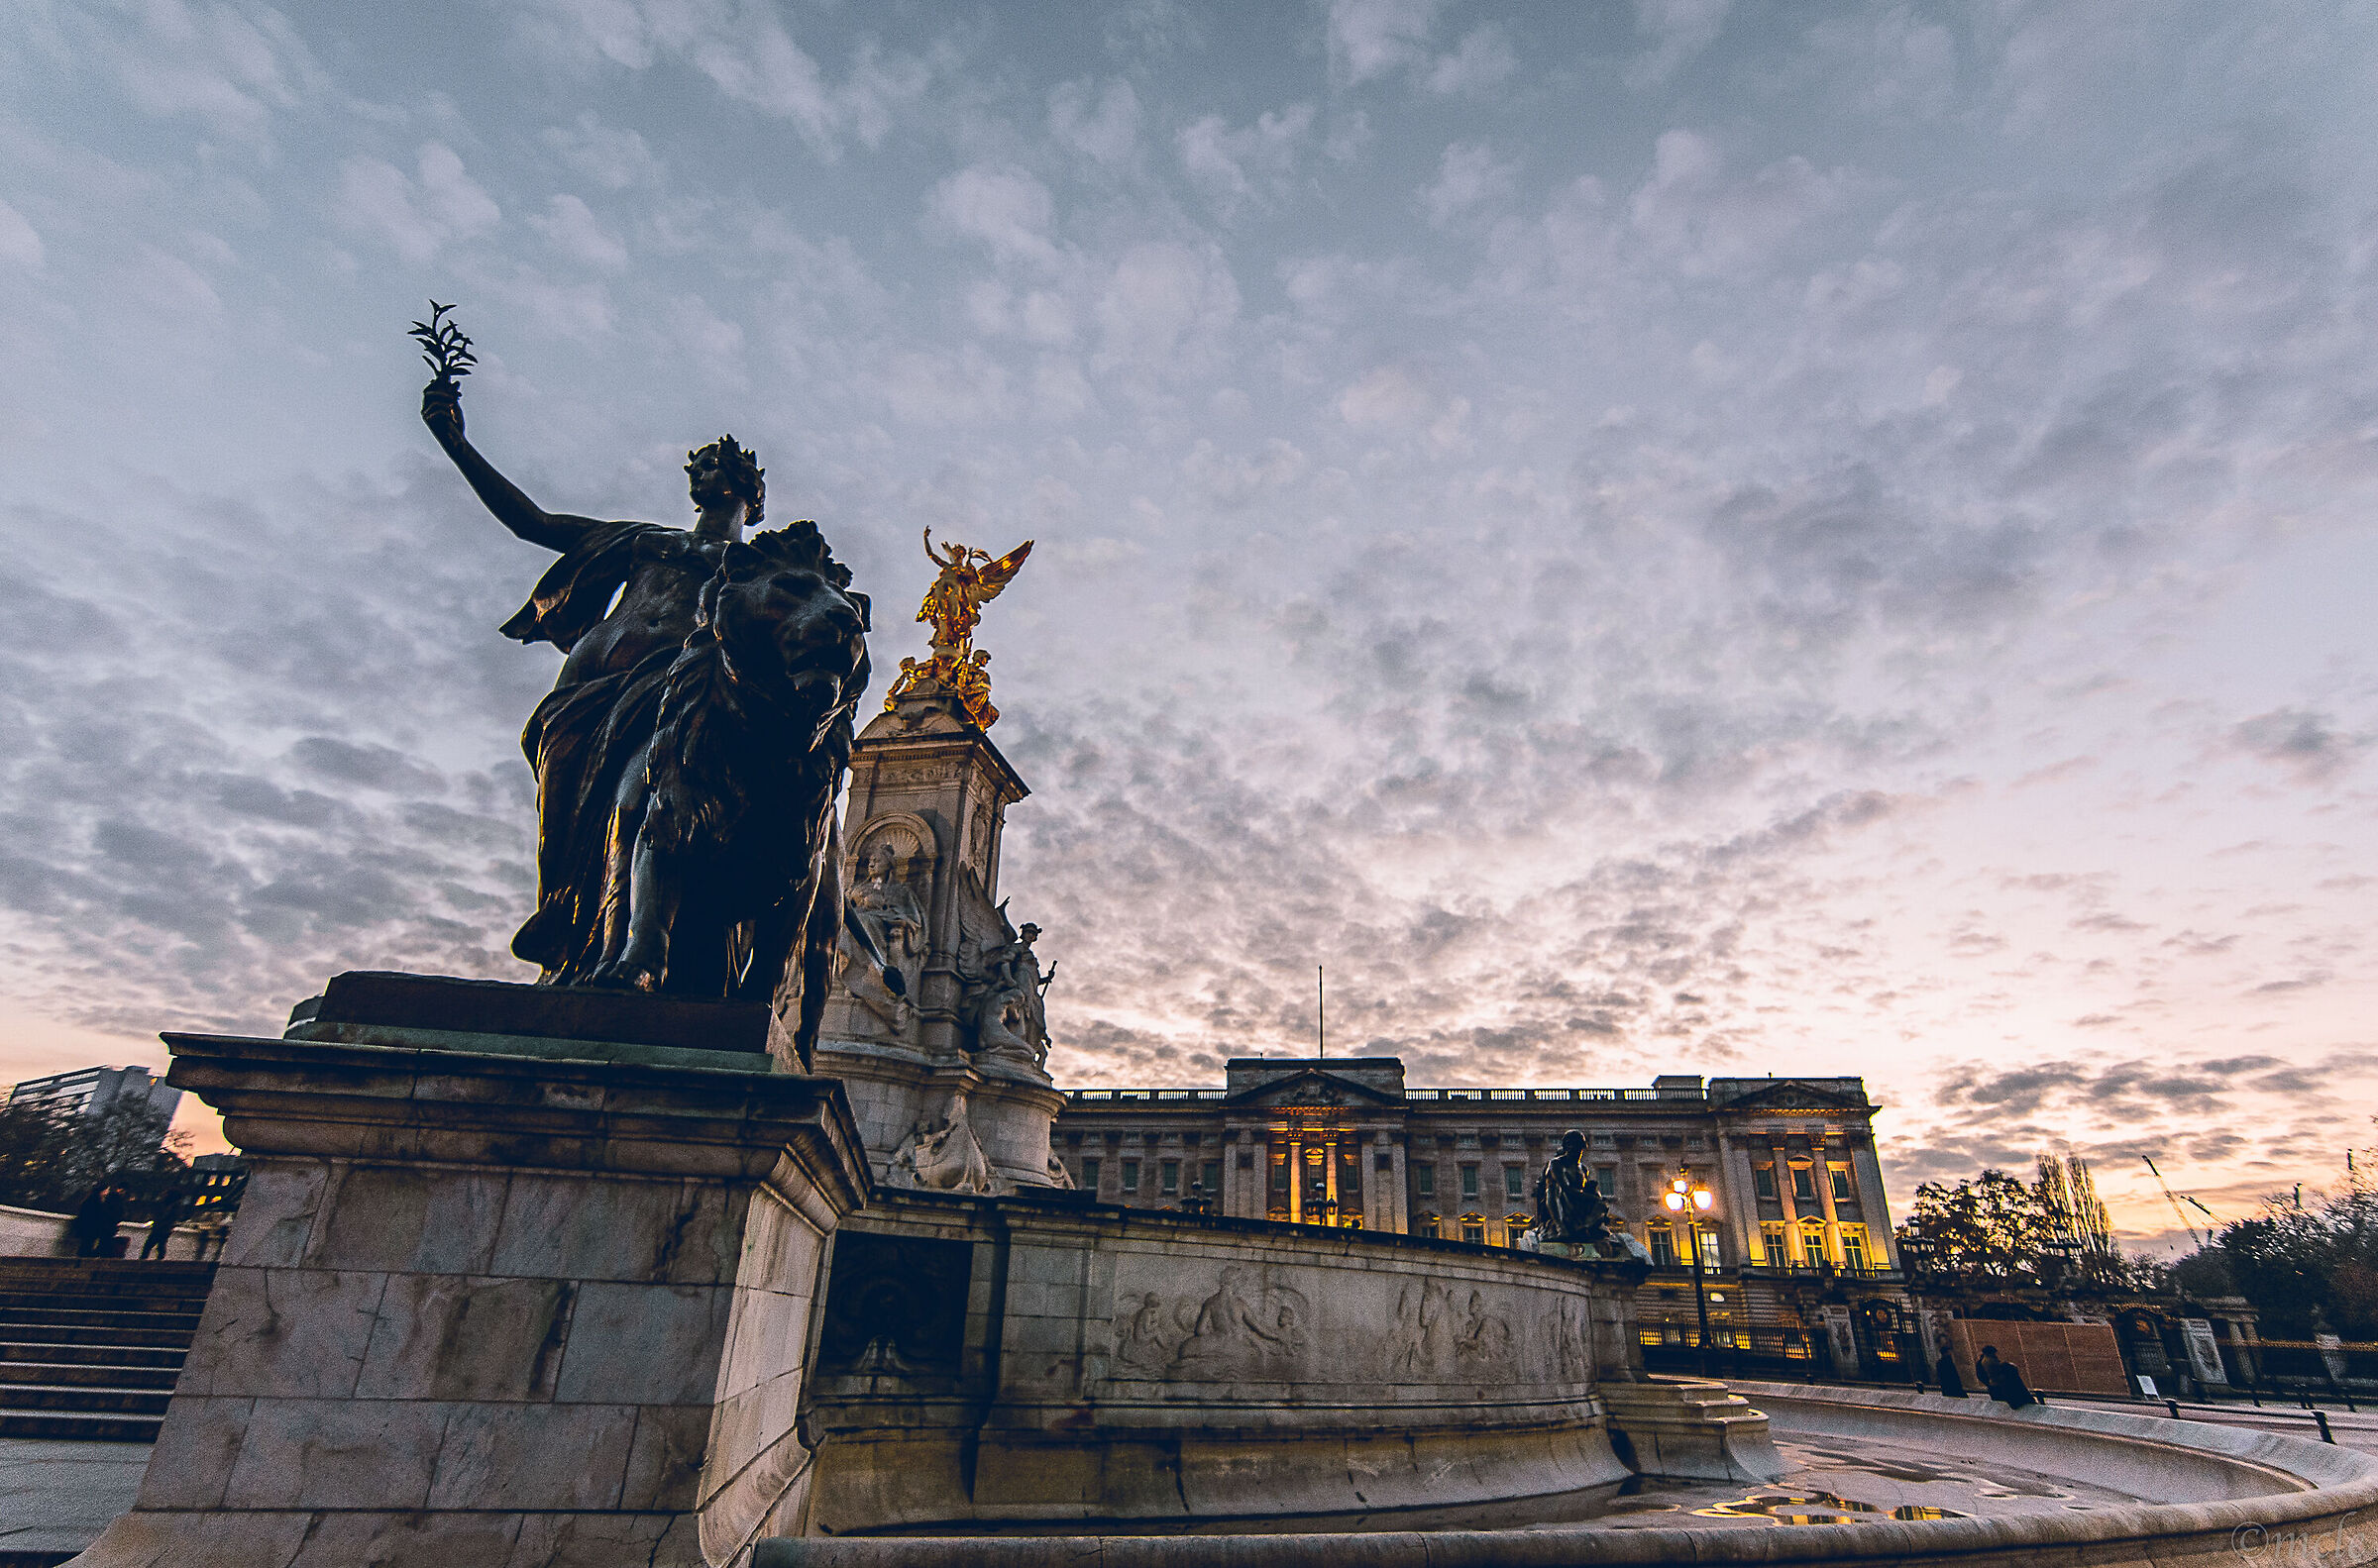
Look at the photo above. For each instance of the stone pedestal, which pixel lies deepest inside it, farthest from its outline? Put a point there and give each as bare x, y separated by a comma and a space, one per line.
948, 1096
543, 1301
1690, 1428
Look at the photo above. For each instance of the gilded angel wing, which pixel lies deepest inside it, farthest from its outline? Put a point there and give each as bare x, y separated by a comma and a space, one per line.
993, 575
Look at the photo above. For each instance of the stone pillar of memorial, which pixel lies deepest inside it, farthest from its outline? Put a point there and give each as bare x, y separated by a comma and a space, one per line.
522, 1275
945, 1064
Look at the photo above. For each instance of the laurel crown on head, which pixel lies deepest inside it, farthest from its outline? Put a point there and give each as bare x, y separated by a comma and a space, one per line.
741, 470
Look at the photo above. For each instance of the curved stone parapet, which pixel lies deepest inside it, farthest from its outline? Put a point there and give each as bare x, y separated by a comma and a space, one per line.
2223, 1496
1123, 1365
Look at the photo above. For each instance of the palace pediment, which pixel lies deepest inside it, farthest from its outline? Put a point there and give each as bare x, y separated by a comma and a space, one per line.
1796, 1095
1311, 1086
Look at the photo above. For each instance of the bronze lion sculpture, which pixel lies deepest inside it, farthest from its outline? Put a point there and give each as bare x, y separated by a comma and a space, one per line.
718, 851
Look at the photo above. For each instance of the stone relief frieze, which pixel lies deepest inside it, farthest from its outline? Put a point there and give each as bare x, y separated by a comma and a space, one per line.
1246, 1327
1572, 1330
1444, 1333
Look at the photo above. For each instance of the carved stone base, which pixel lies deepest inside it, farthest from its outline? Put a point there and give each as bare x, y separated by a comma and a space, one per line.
903, 1103
1691, 1430
497, 1305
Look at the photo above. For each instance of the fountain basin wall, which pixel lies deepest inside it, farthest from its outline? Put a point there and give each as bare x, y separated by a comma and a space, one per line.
2318, 1505
1041, 1358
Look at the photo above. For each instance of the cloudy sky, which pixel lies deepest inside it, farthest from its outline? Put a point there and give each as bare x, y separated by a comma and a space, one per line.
1657, 537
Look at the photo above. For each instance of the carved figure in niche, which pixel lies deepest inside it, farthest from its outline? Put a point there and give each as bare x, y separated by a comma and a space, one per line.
689, 753
1482, 1339
1569, 1205
943, 1155
1239, 1333
882, 938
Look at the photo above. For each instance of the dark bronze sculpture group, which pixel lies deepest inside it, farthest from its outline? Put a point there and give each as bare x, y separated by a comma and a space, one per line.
1569, 1205
688, 755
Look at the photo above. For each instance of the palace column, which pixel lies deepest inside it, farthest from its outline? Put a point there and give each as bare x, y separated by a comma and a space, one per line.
1296, 1180
1821, 1171
1781, 1156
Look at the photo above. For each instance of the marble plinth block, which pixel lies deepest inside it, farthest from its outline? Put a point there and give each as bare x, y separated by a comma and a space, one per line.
505, 1306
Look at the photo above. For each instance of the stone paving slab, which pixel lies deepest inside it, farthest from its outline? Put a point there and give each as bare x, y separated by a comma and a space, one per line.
56, 1497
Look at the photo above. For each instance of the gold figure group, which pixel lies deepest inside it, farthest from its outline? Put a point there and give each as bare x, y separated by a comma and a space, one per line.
969, 579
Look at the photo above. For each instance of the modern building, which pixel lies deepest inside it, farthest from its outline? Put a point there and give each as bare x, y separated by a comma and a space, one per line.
1797, 1253
93, 1091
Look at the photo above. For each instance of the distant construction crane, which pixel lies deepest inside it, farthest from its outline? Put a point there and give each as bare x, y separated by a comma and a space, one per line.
2173, 1199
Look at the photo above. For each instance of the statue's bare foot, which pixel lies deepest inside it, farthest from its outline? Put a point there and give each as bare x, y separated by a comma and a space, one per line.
626, 974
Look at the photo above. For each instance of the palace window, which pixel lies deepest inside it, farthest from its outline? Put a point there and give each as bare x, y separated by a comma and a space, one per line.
1803, 1186
1812, 1245
1424, 1180
1711, 1256
1211, 1177
1843, 1191
1605, 1176
1763, 1181
1090, 1175
1428, 1225
1775, 1247
1474, 1231
1469, 1183
1515, 1180
1130, 1178
1169, 1178
1663, 1242
1279, 1172
1852, 1247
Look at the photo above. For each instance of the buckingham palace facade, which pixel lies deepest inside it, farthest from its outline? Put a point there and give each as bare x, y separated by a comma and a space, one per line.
1798, 1251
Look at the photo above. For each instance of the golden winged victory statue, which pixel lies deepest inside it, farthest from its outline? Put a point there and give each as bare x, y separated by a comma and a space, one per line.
969, 579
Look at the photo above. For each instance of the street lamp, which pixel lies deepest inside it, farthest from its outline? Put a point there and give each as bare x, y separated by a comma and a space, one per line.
1683, 1198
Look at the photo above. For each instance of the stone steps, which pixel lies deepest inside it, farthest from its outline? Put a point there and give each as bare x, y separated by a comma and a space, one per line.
54, 1352
90, 1348
70, 1374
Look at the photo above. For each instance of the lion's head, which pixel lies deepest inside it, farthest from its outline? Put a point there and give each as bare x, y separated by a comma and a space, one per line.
784, 613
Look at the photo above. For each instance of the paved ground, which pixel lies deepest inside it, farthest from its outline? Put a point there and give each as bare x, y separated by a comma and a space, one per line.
1843, 1481
58, 1497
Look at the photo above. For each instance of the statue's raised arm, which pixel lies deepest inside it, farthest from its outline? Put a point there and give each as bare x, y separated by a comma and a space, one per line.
449, 356
689, 754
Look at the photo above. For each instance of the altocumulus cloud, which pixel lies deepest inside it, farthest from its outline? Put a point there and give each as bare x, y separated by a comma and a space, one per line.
1577, 519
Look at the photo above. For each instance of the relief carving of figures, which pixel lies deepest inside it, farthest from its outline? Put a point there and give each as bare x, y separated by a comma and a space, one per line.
1481, 1341
1144, 1342
943, 1154
1416, 1345
1573, 1342
1243, 1330
881, 942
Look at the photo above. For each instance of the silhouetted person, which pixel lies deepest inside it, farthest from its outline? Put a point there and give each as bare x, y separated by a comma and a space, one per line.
1952, 1382
94, 1224
164, 1215
2003, 1378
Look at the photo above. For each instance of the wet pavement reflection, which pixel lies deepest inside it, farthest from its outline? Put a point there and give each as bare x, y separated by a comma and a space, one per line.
1846, 1482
